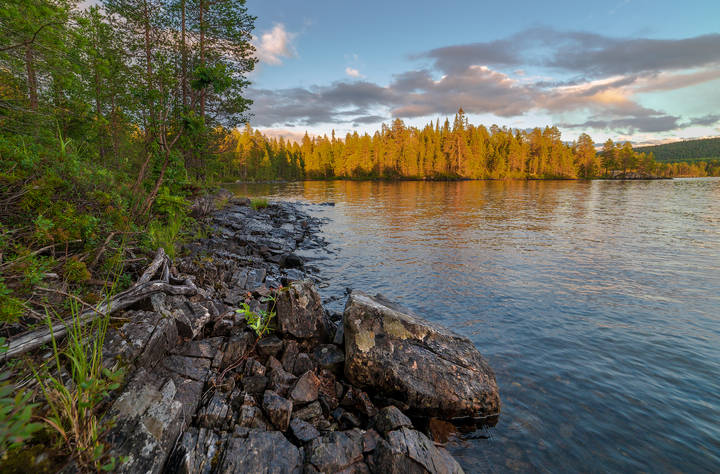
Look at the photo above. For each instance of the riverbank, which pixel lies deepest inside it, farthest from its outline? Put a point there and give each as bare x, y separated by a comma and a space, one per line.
205, 392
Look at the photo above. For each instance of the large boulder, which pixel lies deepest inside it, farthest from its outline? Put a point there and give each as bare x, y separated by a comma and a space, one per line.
401, 356
300, 312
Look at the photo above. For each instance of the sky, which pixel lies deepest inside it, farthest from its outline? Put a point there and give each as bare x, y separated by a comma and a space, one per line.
647, 71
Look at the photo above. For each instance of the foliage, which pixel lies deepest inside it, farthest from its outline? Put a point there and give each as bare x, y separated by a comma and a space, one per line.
73, 395
11, 308
15, 413
165, 235
260, 321
450, 151
705, 149
258, 203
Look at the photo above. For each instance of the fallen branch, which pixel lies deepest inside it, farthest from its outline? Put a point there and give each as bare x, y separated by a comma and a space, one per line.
144, 288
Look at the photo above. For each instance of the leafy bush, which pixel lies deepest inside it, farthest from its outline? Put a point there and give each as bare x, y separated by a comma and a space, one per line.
11, 308
15, 413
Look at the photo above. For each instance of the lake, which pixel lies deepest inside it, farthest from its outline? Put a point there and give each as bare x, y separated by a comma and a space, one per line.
597, 304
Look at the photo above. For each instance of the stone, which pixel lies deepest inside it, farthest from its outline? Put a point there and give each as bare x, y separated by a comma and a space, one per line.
436, 372
339, 338
306, 389
330, 357
148, 420
313, 414
194, 368
300, 312
253, 368
269, 346
281, 381
290, 354
303, 431
391, 418
303, 363
359, 401
250, 416
292, 260
195, 452
334, 451
255, 384
261, 452
277, 409
409, 451
216, 414
273, 364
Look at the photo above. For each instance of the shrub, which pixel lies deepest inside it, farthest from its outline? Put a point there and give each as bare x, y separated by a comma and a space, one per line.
258, 203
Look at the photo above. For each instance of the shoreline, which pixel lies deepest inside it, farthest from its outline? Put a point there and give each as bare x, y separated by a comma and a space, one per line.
204, 392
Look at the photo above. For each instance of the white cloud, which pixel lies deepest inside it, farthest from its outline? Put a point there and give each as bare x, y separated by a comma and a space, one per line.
353, 72
275, 45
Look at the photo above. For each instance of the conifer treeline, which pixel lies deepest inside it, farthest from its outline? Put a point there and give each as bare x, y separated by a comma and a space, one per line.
457, 151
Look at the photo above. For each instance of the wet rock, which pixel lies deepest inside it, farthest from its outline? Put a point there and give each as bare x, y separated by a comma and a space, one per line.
261, 452
303, 363
300, 312
409, 451
269, 346
391, 418
334, 452
277, 409
436, 372
306, 389
302, 430
330, 357
292, 260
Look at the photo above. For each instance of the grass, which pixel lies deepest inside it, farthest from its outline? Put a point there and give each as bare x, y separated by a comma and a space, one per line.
77, 383
258, 203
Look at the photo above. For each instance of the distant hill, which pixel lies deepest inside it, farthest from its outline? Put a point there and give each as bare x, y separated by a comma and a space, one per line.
689, 150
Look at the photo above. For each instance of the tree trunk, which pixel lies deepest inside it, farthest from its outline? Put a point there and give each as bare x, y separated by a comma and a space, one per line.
31, 78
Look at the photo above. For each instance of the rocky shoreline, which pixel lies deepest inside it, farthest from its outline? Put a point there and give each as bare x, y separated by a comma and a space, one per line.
323, 393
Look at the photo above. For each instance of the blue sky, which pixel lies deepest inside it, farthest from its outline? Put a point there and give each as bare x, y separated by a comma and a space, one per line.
626, 69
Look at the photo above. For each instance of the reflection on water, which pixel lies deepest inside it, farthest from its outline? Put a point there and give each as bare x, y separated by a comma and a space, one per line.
595, 302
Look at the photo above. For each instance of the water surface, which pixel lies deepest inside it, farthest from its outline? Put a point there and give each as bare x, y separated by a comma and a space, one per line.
597, 304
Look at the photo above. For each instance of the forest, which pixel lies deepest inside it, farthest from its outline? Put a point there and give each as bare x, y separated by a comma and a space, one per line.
704, 149
441, 151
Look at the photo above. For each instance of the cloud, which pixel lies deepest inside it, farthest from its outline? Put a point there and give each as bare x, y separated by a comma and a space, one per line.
580, 52
352, 72
275, 45
600, 78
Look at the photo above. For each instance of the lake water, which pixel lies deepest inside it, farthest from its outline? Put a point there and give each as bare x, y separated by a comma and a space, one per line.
596, 303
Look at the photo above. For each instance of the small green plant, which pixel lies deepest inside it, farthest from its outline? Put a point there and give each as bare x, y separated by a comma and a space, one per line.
260, 321
15, 413
258, 203
76, 271
79, 383
11, 308
165, 235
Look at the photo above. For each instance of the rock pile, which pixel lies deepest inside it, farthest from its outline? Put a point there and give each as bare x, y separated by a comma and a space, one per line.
205, 395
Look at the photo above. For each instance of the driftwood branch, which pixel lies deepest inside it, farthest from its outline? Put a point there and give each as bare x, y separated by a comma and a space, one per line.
144, 288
